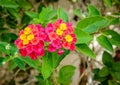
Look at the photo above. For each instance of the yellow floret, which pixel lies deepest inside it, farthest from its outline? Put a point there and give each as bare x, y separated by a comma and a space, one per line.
63, 26
30, 36
27, 30
25, 41
68, 38
23, 36
59, 32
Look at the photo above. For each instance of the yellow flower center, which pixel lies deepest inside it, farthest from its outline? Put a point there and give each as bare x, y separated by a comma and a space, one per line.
25, 41
63, 26
27, 30
30, 37
59, 32
23, 36
68, 38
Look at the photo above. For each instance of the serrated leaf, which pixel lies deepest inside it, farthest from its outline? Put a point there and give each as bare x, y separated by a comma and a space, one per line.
104, 42
20, 63
65, 74
82, 37
93, 11
85, 50
62, 14
92, 24
107, 59
104, 72
8, 4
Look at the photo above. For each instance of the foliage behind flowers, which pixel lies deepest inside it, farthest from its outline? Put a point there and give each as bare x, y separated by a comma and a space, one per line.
57, 36
46, 37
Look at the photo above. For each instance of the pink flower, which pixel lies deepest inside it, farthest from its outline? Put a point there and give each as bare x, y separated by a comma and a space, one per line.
29, 48
23, 52
60, 52
33, 55
72, 47
52, 36
51, 48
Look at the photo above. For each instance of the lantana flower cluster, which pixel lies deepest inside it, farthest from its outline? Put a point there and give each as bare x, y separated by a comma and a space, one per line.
34, 40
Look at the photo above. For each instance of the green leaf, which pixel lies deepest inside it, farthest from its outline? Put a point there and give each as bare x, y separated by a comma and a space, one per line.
116, 66
24, 4
93, 11
33, 63
20, 63
111, 82
82, 37
52, 14
104, 72
84, 49
8, 4
14, 12
92, 24
12, 65
41, 80
108, 3
104, 42
78, 12
47, 67
32, 14
116, 75
62, 14
107, 59
1, 61
65, 74
57, 59
113, 37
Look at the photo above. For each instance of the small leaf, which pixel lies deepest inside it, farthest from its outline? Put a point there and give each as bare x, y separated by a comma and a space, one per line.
24, 4
33, 63
8, 4
93, 11
65, 74
20, 63
84, 49
116, 66
104, 42
62, 14
104, 72
107, 59
92, 24
108, 3
113, 37
12, 65
116, 75
78, 12
82, 37
32, 14
1, 61
112, 82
